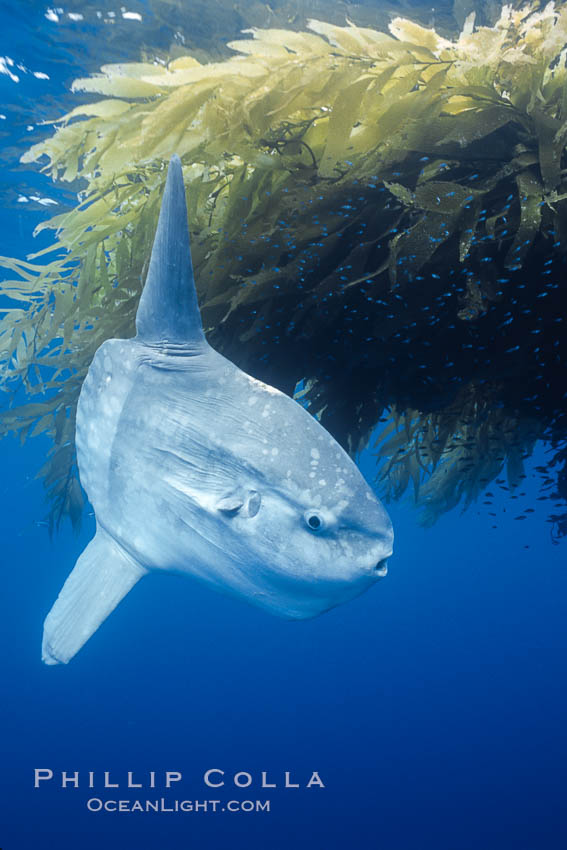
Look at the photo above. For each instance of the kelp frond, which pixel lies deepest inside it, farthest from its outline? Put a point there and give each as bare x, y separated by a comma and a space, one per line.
450, 457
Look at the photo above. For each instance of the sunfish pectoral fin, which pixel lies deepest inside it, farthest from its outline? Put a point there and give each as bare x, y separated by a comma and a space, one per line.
245, 502
102, 576
230, 504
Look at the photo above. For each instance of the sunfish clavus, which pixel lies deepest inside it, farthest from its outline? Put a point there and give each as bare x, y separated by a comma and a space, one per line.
194, 467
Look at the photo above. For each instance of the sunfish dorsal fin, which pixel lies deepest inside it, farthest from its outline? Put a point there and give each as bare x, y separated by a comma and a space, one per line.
168, 312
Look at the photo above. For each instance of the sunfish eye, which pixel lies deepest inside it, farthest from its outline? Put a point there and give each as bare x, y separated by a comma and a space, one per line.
314, 520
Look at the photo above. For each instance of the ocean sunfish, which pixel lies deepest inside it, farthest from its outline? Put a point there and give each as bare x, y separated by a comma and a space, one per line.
194, 467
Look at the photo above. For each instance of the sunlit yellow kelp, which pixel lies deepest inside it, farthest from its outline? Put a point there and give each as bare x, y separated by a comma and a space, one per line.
402, 183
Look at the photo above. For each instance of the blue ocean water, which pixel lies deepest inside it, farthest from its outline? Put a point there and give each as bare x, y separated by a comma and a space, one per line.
432, 707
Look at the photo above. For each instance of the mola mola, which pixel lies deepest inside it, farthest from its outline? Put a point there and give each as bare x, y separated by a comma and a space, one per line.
192, 466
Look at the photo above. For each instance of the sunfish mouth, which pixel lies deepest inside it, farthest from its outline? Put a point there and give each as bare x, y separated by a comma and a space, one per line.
381, 568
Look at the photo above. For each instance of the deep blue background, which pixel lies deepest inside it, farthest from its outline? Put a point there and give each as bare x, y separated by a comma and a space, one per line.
433, 707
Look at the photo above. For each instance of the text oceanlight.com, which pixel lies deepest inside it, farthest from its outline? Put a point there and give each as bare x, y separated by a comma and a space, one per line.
95, 804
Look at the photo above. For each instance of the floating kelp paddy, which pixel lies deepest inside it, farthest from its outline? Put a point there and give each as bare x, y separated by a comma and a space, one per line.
379, 226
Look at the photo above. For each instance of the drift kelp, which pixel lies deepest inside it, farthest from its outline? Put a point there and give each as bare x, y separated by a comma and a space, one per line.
380, 216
